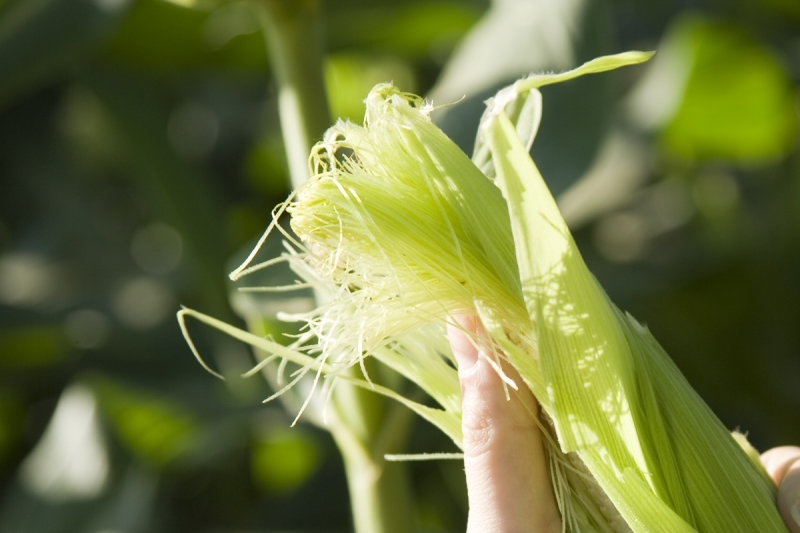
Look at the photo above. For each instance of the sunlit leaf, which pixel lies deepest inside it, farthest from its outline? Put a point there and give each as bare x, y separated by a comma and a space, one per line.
738, 102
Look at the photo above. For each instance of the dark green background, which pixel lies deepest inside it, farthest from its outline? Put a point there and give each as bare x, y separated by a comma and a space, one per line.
140, 152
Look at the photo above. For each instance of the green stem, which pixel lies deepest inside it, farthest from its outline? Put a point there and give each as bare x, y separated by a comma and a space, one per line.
294, 40
379, 495
365, 426
379, 510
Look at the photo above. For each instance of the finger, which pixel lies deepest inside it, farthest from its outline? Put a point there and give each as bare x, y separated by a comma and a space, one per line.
783, 464
508, 482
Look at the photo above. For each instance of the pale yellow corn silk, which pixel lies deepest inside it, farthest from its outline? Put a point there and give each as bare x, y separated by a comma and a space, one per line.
401, 230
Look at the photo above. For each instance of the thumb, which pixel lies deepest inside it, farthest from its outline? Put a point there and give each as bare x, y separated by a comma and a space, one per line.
508, 482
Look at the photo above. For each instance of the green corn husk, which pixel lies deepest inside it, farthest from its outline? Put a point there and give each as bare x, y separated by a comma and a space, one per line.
403, 230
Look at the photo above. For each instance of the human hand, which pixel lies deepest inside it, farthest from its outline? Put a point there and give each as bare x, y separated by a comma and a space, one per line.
507, 477
783, 464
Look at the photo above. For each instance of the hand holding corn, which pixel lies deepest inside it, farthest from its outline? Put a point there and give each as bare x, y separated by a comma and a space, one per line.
507, 475
508, 487
404, 236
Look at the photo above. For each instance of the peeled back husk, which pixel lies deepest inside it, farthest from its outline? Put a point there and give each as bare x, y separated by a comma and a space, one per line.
404, 231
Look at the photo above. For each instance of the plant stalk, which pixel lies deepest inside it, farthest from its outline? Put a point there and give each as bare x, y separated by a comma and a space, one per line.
379, 495
365, 425
293, 31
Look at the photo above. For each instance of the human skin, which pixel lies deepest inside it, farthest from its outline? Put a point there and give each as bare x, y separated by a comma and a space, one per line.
783, 464
503, 449
504, 454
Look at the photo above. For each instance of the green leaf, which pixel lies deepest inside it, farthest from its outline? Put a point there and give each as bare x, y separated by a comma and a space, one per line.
407, 30
522, 102
615, 398
282, 461
448, 422
569, 311
152, 426
32, 346
349, 76
738, 100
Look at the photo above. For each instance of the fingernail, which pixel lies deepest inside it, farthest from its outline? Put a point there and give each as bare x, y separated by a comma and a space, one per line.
458, 331
795, 512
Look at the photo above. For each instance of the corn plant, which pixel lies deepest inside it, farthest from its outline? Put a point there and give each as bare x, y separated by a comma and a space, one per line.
399, 232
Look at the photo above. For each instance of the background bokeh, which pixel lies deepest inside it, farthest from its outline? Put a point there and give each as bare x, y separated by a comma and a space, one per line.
141, 155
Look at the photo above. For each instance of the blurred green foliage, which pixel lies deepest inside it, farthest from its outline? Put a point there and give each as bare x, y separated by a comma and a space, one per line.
350, 77
283, 460
32, 346
140, 152
155, 429
738, 102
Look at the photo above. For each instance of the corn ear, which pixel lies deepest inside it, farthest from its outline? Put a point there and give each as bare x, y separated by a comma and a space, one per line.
404, 231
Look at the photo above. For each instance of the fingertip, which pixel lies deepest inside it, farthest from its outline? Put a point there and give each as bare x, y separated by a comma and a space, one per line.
777, 461
460, 330
783, 464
